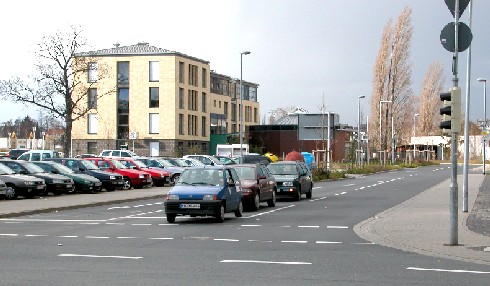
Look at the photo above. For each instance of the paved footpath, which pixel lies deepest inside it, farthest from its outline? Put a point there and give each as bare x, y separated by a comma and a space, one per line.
421, 224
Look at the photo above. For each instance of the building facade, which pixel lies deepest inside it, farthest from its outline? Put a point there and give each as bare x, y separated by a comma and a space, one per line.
157, 102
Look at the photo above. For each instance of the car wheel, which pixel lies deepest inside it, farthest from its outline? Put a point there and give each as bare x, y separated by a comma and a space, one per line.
256, 202
171, 218
220, 217
175, 178
152, 184
239, 210
310, 193
11, 193
297, 196
272, 201
127, 184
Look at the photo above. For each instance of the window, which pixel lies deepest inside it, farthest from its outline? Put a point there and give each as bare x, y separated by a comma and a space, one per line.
154, 121
225, 109
91, 148
123, 73
192, 100
92, 98
92, 72
181, 72
181, 98
92, 123
256, 115
203, 126
154, 71
203, 102
192, 75
204, 77
123, 100
192, 125
181, 124
154, 97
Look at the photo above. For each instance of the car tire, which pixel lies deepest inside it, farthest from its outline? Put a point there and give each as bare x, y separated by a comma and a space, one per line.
171, 218
220, 216
239, 210
127, 184
272, 201
174, 179
310, 193
11, 193
256, 202
297, 196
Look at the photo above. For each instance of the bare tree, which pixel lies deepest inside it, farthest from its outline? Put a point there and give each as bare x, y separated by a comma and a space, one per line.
392, 83
428, 119
59, 85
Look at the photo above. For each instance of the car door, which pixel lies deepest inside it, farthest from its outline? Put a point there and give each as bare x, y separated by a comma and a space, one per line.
233, 195
263, 183
305, 178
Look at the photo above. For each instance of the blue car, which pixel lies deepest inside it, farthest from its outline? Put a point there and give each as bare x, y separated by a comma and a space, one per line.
205, 191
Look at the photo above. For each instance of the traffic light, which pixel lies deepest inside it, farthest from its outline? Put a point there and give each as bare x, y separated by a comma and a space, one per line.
451, 111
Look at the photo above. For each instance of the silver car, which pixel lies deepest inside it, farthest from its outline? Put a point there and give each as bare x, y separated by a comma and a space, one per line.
20, 185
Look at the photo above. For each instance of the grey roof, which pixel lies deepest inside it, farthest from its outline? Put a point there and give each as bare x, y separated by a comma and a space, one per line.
290, 119
141, 48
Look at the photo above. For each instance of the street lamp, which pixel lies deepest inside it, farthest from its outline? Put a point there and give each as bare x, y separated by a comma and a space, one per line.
484, 116
359, 128
241, 104
380, 102
414, 117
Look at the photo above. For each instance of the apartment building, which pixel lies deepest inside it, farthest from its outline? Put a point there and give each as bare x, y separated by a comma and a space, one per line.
157, 102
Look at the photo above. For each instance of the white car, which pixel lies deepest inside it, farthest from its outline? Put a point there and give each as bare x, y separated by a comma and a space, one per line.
118, 154
206, 159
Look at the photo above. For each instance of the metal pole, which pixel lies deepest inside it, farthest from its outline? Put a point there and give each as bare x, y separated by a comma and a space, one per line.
359, 129
328, 140
392, 140
485, 124
467, 124
414, 127
240, 109
367, 139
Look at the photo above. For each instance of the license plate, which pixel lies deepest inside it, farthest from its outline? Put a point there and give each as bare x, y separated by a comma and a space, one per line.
190, 206
98, 184
40, 187
68, 186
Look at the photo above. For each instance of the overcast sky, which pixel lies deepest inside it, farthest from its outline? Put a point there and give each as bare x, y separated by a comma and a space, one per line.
301, 51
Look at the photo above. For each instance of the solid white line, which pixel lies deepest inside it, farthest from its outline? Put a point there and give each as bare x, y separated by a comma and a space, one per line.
98, 256
266, 262
329, 242
294, 241
343, 193
225, 239
67, 236
158, 217
251, 225
54, 220
364, 243
141, 224
348, 185
334, 226
35, 235
11, 222
166, 224
162, 238
91, 223
125, 207
96, 237
309, 226
447, 270
8, 234
115, 223
255, 240
275, 210
317, 187
124, 237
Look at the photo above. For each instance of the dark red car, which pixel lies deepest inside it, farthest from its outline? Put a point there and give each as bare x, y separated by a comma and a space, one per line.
159, 177
257, 184
132, 177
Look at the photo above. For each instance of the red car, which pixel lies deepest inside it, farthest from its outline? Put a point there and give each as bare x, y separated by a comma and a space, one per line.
159, 177
132, 178
258, 185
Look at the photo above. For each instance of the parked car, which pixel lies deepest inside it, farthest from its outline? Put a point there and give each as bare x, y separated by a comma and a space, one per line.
86, 156
117, 154
159, 176
293, 179
206, 159
132, 178
56, 184
257, 184
205, 191
83, 183
20, 185
226, 160
110, 181
253, 159
3, 188
167, 164
15, 153
188, 162
39, 155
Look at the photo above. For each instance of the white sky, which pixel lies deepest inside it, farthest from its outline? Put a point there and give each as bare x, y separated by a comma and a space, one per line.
300, 50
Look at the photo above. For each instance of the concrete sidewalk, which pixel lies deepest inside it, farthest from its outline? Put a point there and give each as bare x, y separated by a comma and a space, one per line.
421, 224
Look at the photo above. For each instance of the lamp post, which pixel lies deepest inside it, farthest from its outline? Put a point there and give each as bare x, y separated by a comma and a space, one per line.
380, 145
414, 117
359, 160
241, 104
484, 116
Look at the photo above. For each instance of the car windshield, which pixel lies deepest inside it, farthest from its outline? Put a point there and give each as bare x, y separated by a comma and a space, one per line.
166, 162
118, 164
212, 177
89, 165
63, 169
245, 173
226, 160
140, 164
4, 170
282, 169
32, 169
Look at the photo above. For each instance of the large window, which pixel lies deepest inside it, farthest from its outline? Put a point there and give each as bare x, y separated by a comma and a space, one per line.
92, 123
225, 109
203, 126
192, 75
203, 102
154, 71
154, 123
92, 148
123, 73
92, 98
181, 98
154, 97
204, 77
123, 100
192, 100
181, 124
192, 125
92, 72
181, 72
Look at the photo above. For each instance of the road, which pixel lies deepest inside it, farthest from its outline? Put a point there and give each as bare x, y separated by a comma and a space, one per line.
310, 242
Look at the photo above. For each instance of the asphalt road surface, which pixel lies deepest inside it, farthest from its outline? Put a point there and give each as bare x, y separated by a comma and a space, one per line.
310, 242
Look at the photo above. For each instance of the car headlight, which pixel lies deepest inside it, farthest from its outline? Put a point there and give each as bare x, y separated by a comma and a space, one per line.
57, 181
246, 190
172, 197
112, 177
162, 175
288, 184
29, 183
141, 176
209, 198
86, 182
